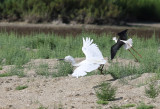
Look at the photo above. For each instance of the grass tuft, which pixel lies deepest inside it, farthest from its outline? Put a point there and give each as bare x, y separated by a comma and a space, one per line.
43, 70
144, 106
118, 70
14, 71
102, 102
128, 105
152, 90
42, 107
21, 87
63, 69
105, 92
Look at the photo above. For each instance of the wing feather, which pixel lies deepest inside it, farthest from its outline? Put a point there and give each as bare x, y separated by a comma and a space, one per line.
91, 50
83, 68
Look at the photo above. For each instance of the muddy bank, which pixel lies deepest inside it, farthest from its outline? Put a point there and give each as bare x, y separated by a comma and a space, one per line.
75, 29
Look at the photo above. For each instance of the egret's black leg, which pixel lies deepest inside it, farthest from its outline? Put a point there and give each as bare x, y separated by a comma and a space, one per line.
101, 68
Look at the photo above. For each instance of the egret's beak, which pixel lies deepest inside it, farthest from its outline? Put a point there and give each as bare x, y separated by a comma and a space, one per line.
60, 59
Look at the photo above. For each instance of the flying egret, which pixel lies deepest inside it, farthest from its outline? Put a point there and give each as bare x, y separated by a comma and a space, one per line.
127, 44
94, 59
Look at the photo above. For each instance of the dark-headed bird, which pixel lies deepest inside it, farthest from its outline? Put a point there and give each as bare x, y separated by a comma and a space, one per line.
122, 41
122, 36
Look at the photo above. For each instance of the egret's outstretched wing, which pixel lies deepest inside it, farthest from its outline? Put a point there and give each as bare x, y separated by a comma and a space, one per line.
91, 50
115, 39
82, 69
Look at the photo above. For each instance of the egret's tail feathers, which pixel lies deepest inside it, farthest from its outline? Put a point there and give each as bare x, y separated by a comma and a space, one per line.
78, 74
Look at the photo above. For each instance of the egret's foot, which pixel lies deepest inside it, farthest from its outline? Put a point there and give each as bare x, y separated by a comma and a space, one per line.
101, 68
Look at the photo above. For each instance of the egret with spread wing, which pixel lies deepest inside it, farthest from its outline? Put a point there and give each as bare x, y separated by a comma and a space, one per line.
94, 59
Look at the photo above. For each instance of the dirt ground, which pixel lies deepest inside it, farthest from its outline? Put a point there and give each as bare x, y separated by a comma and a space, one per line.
69, 92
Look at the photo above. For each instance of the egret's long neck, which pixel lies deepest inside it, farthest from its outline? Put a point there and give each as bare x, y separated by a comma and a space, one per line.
73, 62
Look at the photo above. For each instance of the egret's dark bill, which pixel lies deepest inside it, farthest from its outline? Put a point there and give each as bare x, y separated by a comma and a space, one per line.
60, 59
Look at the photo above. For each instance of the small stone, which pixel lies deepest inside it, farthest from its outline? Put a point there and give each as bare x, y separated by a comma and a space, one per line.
10, 105
72, 107
92, 107
8, 88
60, 91
7, 82
91, 93
77, 95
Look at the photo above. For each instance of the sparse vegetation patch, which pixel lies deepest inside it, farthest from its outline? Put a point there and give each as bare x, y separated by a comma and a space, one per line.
21, 87
105, 93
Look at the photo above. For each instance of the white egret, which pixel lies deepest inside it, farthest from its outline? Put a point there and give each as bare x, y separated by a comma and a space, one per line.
93, 61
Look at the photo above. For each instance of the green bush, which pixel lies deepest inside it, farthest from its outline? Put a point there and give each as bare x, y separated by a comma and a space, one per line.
152, 90
119, 71
63, 69
105, 92
43, 70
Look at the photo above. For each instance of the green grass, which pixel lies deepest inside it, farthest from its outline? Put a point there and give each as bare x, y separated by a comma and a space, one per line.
63, 69
105, 92
128, 106
139, 106
5, 74
21, 87
43, 70
102, 102
118, 70
1, 68
152, 90
42, 107
14, 71
18, 51
144, 106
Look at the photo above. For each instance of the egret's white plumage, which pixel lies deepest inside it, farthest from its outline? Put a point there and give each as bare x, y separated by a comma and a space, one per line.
115, 39
128, 44
92, 62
